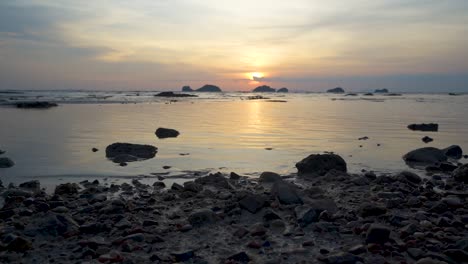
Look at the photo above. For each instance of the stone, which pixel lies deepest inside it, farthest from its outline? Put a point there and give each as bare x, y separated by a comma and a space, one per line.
35, 105
19, 244
381, 90
34, 186
191, 186
141, 152
371, 209
252, 203
214, 179
454, 152
430, 261
66, 189
321, 164
424, 127
94, 150
240, 257
183, 256
52, 224
285, 193
461, 173
166, 132
270, 216
427, 155
377, 234
6, 163
410, 176
306, 215
427, 139
336, 90
268, 176
201, 217
340, 258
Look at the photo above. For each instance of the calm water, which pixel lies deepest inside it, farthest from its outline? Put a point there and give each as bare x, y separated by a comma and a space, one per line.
220, 132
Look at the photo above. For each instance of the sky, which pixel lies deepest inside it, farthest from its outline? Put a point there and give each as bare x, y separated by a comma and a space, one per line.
305, 45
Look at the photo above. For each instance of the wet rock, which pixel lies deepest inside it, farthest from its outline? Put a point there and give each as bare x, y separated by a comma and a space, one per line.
306, 215
428, 155
183, 256
122, 159
270, 216
33, 186
358, 249
424, 127
454, 152
410, 176
202, 217
166, 132
377, 234
159, 185
177, 187
6, 163
36, 105
370, 209
216, 179
135, 150
240, 257
461, 174
67, 189
192, 187
321, 164
268, 176
286, 193
258, 230
340, 258
427, 139
234, 176
252, 203
94, 150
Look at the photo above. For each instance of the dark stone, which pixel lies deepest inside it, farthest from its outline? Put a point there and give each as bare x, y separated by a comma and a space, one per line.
214, 179
66, 189
34, 186
6, 163
183, 256
340, 258
454, 152
172, 94
377, 234
19, 244
263, 89
268, 176
192, 187
461, 173
369, 209
336, 90
209, 88
427, 139
166, 132
95, 149
306, 215
252, 203
116, 150
234, 176
424, 127
283, 90
36, 105
270, 216
381, 90
240, 257
457, 254
286, 193
410, 176
321, 164
428, 155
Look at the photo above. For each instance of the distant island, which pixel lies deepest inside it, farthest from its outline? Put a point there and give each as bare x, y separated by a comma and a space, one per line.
187, 89
283, 90
263, 89
209, 88
381, 91
336, 90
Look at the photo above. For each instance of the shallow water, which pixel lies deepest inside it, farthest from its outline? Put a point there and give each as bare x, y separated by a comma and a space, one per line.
222, 132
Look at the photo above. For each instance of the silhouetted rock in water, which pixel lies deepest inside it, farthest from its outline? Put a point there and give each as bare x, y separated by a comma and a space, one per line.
336, 90
36, 105
263, 89
166, 132
283, 90
423, 156
381, 91
320, 164
172, 94
2, 152
6, 163
424, 127
94, 149
187, 89
427, 139
276, 101
351, 94
454, 94
393, 94
368, 94
454, 152
442, 167
209, 88
461, 173
126, 152
256, 97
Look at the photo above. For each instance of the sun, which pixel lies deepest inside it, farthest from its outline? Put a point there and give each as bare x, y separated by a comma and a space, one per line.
255, 75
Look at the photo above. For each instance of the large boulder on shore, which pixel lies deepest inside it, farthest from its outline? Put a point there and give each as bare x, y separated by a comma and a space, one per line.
263, 89
336, 90
461, 173
166, 132
209, 88
424, 156
120, 150
6, 163
320, 164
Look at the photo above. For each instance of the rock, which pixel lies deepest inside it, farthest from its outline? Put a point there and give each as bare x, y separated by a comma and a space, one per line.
377, 234
409, 176
286, 193
187, 89
183, 256
424, 127
268, 176
234, 176
415, 253
370, 209
172, 94
454, 152
428, 155
19, 244
381, 90
192, 187
209, 88
263, 89
283, 90
124, 158
336, 90
34, 186
427, 139
306, 215
270, 216
358, 249
66, 189
126, 152
240, 257
35, 105
321, 164
166, 132
2, 152
159, 185
252, 203
461, 174
94, 149
6, 163
202, 217
52, 224
430, 261
340, 258
214, 179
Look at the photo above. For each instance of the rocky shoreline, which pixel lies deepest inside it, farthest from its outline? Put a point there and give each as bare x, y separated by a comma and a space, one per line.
321, 215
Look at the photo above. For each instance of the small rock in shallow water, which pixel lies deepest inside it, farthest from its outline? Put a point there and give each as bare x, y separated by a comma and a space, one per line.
424, 127
95, 149
427, 139
166, 132
6, 163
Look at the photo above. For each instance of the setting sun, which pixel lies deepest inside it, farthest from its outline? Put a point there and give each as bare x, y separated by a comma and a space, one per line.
254, 75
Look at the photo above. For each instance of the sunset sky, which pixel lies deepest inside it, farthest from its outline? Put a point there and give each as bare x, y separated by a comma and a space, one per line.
305, 45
